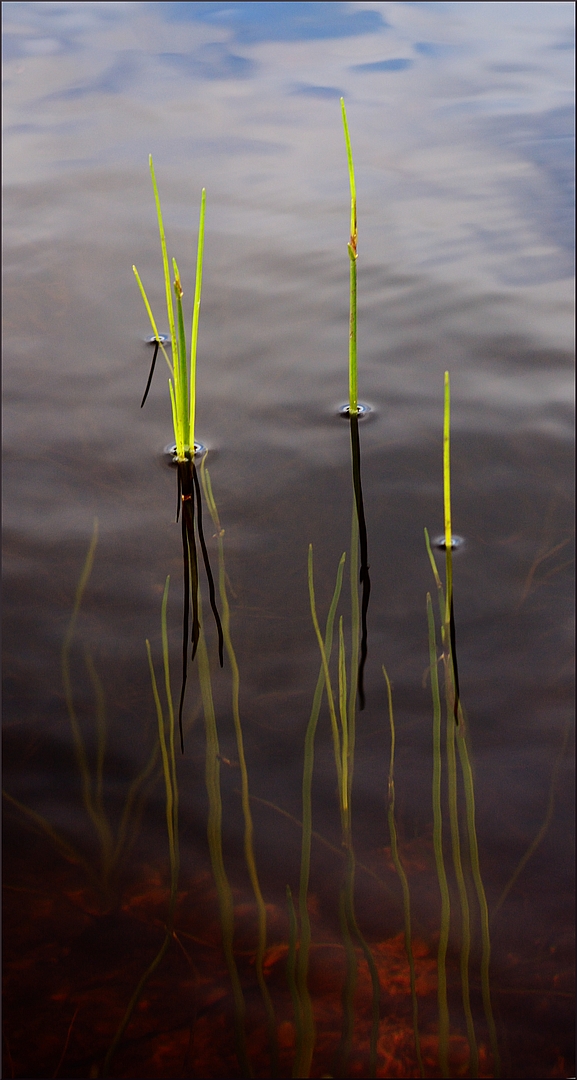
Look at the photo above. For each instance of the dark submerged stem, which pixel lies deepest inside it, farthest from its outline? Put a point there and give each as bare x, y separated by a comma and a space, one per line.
454, 664
364, 568
190, 562
151, 373
188, 494
211, 592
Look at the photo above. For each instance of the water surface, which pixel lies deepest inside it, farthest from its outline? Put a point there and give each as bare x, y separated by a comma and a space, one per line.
461, 121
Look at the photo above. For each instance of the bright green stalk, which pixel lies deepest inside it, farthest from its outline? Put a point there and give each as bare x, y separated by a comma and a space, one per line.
182, 386
352, 249
165, 265
195, 317
306, 1035
403, 879
180, 363
214, 832
245, 796
447, 498
151, 317
439, 857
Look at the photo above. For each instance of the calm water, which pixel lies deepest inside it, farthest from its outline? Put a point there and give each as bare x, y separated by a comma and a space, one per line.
461, 122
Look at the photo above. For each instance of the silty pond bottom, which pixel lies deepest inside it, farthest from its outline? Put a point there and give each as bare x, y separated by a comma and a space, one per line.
461, 134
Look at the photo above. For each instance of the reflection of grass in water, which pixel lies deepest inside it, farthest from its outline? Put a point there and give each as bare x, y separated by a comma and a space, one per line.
171, 794
113, 849
245, 796
403, 879
343, 735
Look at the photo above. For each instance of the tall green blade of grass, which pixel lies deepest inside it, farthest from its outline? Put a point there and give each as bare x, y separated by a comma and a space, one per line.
438, 846
245, 794
214, 833
403, 879
182, 383
352, 249
195, 318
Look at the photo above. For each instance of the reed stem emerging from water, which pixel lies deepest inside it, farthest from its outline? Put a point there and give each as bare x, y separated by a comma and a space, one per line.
182, 381
455, 730
352, 250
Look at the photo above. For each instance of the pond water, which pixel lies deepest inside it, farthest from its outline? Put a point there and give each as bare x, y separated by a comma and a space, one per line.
461, 124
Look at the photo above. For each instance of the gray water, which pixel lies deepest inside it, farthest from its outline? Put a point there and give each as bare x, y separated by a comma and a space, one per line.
461, 119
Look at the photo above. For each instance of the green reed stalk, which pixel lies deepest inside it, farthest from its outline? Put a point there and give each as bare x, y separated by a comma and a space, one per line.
403, 879
452, 715
454, 706
352, 250
305, 1025
245, 795
439, 857
214, 833
171, 797
182, 383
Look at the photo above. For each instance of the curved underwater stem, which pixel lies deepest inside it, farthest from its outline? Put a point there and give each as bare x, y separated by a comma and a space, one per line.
403, 879
214, 833
439, 857
306, 1034
245, 795
171, 795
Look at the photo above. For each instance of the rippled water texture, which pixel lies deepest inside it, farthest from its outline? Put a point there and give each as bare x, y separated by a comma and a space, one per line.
461, 121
